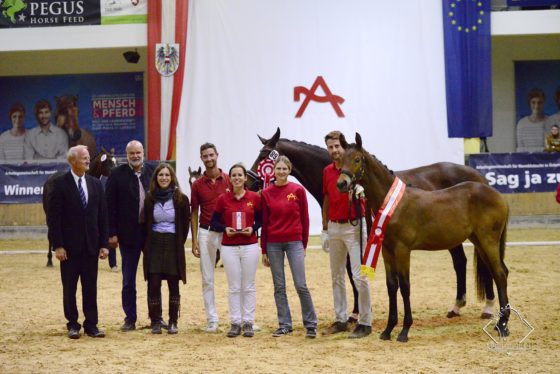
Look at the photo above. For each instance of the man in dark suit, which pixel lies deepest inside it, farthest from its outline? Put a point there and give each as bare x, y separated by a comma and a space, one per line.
126, 189
77, 221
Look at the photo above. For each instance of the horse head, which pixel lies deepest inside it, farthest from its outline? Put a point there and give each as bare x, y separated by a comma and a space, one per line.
66, 114
103, 163
194, 175
353, 165
254, 182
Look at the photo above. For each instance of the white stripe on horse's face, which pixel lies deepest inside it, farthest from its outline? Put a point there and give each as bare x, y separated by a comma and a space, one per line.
343, 183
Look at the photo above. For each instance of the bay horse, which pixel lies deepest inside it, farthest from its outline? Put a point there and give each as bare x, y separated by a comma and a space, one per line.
310, 160
432, 220
66, 114
100, 167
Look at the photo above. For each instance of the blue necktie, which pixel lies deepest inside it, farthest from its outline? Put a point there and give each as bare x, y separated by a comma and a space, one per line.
82, 194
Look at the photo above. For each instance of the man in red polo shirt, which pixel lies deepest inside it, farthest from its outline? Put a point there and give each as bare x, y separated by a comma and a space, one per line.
339, 219
205, 240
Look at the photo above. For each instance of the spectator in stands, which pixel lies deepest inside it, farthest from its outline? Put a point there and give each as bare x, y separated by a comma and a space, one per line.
552, 140
12, 141
530, 129
558, 193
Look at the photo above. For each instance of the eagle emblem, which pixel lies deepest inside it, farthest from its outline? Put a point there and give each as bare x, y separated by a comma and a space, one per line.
167, 58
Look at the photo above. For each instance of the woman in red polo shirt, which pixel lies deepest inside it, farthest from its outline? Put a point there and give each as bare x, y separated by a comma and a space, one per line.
284, 234
238, 215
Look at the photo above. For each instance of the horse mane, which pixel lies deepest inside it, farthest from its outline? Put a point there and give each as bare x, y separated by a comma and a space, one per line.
370, 155
304, 144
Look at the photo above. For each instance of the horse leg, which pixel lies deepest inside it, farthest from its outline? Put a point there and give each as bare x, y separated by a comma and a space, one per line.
49, 256
492, 262
356, 309
460, 266
404, 283
488, 310
392, 288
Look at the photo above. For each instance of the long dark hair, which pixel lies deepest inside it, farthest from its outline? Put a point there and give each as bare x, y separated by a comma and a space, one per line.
174, 182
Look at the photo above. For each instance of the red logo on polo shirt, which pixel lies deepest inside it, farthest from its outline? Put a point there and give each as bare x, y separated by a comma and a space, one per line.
291, 197
335, 100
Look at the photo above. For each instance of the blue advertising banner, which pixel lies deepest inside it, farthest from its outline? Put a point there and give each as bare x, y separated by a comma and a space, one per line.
519, 172
23, 184
532, 3
93, 109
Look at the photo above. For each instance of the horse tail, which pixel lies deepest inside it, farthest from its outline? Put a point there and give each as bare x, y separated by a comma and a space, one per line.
483, 276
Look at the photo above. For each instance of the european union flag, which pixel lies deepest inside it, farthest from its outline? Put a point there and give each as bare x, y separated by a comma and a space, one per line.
468, 78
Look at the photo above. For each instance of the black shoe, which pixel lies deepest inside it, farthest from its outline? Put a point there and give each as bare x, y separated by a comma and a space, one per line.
128, 326
172, 328
156, 327
95, 333
234, 331
163, 325
74, 334
311, 333
336, 327
248, 330
361, 331
281, 331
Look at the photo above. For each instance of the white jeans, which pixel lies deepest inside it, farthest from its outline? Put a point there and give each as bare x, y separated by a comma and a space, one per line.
240, 263
208, 244
345, 238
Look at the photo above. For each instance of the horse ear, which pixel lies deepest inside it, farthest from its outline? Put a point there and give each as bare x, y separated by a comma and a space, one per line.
358, 140
190, 171
275, 137
263, 140
103, 149
199, 170
113, 151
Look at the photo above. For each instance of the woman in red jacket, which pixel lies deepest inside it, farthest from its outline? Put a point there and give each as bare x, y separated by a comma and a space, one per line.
285, 232
238, 215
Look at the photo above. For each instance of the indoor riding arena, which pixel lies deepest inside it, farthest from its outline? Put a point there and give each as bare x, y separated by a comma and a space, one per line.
114, 113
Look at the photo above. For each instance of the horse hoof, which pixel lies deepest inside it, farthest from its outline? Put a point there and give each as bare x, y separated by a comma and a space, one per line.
461, 303
503, 332
402, 338
452, 314
385, 336
486, 316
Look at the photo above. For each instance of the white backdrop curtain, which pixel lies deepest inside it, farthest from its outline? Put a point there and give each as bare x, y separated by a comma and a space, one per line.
385, 58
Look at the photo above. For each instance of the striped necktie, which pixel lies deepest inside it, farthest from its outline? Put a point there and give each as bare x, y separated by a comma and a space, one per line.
82, 194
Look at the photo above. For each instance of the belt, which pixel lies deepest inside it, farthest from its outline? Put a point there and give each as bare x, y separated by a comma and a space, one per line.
340, 220
207, 227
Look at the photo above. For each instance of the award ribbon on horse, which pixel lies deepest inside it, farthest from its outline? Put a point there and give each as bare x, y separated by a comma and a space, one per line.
265, 170
382, 218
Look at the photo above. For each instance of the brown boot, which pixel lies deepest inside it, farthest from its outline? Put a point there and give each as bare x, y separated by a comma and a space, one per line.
336, 327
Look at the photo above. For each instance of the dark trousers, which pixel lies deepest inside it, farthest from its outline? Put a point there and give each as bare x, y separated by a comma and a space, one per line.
112, 257
84, 267
130, 256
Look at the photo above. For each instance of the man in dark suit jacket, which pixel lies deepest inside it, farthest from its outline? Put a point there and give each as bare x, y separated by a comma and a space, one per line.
77, 221
126, 189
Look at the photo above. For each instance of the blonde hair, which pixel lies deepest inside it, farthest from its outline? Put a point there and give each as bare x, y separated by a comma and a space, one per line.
285, 160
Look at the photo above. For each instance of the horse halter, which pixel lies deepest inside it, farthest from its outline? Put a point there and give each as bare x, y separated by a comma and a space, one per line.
355, 177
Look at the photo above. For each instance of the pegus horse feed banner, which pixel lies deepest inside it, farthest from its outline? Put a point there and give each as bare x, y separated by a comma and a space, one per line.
309, 67
108, 109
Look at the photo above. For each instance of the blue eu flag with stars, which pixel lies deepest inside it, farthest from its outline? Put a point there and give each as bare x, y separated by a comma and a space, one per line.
468, 79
